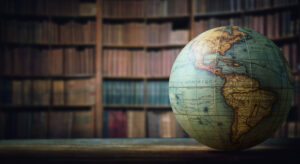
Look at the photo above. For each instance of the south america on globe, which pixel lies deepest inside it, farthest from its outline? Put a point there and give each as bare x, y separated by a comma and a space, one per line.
230, 88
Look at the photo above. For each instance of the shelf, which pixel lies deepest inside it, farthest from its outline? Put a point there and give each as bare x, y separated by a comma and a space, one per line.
38, 107
141, 150
134, 106
137, 77
158, 107
145, 46
123, 106
35, 16
74, 76
141, 18
52, 44
237, 13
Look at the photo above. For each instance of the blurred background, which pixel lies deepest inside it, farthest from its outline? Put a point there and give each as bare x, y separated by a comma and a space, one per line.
100, 68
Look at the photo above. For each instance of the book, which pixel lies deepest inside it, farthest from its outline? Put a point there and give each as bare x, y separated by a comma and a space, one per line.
163, 124
136, 124
122, 92
80, 92
117, 123
82, 124
39, 124
157, 93
60, 124
58, 92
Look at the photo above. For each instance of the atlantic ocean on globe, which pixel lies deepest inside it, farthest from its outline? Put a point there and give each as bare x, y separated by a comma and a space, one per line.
230, 88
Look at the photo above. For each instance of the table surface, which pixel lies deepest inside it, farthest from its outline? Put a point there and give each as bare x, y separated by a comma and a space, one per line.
174, 150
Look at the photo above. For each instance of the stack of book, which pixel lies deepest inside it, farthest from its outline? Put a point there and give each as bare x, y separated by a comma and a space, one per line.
159, 63
38, 92
123, 62
158, 93
132, 123
215, 6
163, 8
44, 61
122, 92
42, 124
49, 7
275, 25
139, 34
138, 63
48, 32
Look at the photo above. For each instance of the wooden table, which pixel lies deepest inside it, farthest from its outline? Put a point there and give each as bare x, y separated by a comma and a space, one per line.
142, 151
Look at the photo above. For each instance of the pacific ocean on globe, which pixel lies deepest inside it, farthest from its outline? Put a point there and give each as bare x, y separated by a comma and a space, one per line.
230, 88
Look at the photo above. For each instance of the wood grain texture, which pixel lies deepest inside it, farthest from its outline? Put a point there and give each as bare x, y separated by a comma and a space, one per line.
98, 105
143, 150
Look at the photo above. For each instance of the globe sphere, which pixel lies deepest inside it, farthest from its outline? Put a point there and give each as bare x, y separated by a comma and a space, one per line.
230, 88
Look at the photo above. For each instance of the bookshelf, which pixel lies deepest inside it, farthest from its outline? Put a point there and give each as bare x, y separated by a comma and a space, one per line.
125, 47
189, 21
49, 69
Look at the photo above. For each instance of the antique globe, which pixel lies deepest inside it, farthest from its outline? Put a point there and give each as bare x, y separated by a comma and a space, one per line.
230, 88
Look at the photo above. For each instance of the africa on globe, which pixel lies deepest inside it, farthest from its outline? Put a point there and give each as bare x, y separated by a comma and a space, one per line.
230, 88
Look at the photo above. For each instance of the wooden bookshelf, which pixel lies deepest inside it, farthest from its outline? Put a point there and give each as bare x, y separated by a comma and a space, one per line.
50, 75
189, 20
112, 106
243, 12
45, 107
184, 21
54, 45
149, 46
55, 77
52, 17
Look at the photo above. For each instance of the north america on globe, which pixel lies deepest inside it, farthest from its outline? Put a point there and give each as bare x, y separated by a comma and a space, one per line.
230, 88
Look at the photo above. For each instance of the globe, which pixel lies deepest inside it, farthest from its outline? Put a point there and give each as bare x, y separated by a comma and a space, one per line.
230, 88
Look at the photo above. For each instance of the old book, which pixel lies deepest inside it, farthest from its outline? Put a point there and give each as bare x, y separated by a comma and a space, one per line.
27, 92
58, 92
80, 92
165, 126
39, 124
41, 92
3, 124
17, 92
136, 124
87, 9
153, 124
23, 125
60, 124
82, 124
117, 124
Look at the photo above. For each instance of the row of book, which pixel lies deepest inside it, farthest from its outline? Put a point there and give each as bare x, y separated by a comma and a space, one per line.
163, 34
132, 92
46, 92
122, 92
42, 124
48, 7
158, 93
290, 128
159, 63
132, 123
141, 8
138, 62
291, 52
215, 6
274, 25
139, 33
40, 61
48, 32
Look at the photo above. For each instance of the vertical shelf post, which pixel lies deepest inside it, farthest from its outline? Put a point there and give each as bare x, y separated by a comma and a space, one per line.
98, 102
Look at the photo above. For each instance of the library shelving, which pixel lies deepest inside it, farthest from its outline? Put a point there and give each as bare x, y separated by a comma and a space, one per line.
48, 69
133, 44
